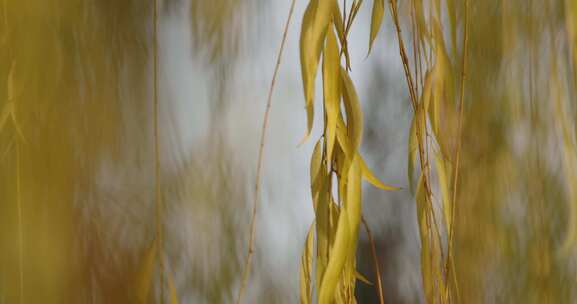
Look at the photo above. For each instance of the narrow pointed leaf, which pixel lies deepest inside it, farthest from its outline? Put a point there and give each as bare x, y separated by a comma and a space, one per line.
376, 21
332, 90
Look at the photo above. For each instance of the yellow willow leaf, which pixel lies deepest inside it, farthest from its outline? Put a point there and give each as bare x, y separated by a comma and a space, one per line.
362, 278
324, 14
354, 10
147, 273
426, 95
353, 110
422, 28
424, 229
353, 204
367, 173
310, 51
306, 269
172, 290
332, 90
376, 21
413, 149
315, 169
444, 188
337, 260
452, 22
338, 21
370, 177
322, 200
342, 138
323, 233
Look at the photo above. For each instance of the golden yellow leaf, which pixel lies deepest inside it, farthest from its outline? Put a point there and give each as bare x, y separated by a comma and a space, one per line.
370, 177
367, 173
376, 21
424, 229
306, 269
331, 88
337, 260
413, 148
353, 201
310, 51
444, 187
362, 278
316, 164
353, 110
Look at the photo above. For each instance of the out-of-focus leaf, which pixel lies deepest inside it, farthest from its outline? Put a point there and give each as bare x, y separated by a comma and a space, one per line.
172, 289
7, 112
147, 273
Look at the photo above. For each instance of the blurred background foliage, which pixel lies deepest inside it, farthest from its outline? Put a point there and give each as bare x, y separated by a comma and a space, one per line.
77, 166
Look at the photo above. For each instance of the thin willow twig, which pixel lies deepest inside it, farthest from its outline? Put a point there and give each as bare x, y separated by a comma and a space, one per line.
379, 285
246, 269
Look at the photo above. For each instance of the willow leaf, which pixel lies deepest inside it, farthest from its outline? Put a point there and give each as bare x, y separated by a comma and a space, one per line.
413, 148
147, 273
367, 173
337, 260
310, 51
376, 21
172, 290
315, 167
353, 202
306, 269
362, 278
444, 187
332, 90
353, 110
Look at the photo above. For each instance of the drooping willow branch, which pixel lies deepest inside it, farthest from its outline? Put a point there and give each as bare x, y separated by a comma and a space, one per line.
246, 268
336, 156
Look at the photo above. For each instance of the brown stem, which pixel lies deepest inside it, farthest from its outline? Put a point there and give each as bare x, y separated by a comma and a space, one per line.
379, 286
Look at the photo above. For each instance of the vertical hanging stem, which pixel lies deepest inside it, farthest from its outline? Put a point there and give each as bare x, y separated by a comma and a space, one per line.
379, 285
246, 268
